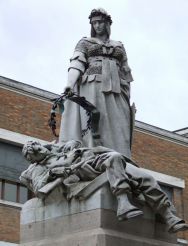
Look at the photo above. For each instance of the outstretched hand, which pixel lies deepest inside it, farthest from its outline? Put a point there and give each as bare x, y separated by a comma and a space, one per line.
60, 172
68, 91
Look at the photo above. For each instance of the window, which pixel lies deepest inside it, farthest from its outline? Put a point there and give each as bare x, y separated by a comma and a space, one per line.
0, 187
24, 194
13, 192
10, 192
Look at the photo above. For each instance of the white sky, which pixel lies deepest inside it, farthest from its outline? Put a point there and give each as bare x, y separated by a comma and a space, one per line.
37, 38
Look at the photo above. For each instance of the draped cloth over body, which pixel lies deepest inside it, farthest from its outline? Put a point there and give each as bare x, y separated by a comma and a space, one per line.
105, 82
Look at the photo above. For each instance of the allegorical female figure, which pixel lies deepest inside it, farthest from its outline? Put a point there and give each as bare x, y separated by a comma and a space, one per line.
99, 71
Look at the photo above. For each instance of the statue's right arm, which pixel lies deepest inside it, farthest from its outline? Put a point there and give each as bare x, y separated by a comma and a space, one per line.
73, 77
78, 63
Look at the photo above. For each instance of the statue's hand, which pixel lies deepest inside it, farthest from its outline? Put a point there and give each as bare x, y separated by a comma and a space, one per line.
59, 172
68, 91
107, 157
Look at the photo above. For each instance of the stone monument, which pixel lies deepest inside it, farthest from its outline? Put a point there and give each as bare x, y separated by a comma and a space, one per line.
91, 192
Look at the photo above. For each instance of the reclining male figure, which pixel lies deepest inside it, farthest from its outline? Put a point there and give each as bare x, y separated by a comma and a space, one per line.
75, 163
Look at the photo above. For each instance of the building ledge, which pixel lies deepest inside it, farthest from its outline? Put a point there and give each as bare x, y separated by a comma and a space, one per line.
161, 133
166, 179
11, 204
182, 241
16, 138
26, 89
3, 243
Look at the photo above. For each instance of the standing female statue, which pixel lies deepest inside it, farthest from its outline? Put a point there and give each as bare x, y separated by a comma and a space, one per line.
99, 71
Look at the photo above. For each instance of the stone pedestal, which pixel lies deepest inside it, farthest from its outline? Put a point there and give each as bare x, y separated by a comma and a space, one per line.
90, 222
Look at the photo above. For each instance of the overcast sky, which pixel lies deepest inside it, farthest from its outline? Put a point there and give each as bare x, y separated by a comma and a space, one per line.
37, 38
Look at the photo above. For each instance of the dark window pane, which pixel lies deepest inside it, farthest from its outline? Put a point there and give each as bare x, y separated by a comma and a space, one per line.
10, 192
0, 189
23, 194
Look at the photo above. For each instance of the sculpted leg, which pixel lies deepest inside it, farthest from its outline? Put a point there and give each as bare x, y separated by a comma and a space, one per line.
120, 185
125, 209
173, 222
148, 186
156, 198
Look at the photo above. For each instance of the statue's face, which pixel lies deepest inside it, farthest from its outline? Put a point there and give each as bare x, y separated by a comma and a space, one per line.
36, 152
99, 25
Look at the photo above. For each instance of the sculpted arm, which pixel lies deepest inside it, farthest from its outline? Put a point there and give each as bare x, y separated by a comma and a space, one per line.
73, 77
62, 162
78, 63
125, 69
125, 72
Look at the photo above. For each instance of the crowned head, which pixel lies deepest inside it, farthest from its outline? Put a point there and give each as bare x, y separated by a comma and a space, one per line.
101, 16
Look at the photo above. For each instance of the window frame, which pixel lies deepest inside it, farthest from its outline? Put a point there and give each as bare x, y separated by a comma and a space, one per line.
18, 185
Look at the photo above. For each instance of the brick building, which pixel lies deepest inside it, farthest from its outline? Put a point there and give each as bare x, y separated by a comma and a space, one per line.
24, 115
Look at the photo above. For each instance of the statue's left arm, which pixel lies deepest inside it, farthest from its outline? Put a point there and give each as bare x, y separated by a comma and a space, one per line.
125, 72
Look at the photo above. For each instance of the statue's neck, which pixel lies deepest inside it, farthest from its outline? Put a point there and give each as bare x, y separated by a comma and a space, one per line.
103, 38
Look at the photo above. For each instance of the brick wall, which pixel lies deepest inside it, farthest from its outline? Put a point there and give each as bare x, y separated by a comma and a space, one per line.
24, 114
9, 224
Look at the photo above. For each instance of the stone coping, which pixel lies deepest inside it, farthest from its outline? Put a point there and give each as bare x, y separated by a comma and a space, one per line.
3, 243
16, 138
26, 88
11, 204
161, 133
182, 241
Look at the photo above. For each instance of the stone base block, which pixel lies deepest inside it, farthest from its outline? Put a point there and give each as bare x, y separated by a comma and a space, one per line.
90, 222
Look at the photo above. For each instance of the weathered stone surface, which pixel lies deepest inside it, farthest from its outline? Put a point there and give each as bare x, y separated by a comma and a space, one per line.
55, 221
56, 205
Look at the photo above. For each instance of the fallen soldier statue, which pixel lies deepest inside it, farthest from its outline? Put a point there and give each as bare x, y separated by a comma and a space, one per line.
52, 165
